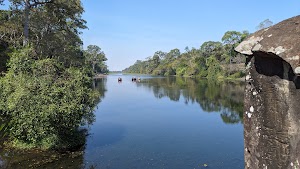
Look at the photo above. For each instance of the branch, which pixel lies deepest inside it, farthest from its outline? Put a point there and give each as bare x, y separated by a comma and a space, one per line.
36, 3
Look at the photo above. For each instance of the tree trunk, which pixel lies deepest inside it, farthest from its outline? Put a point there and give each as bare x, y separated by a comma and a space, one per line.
94, 67
26, 22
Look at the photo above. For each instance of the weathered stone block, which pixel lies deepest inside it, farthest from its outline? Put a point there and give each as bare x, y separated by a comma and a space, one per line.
272, 97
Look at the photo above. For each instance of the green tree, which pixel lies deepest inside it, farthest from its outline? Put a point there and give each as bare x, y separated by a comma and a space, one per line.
231, 39
44, 100
28, 5
212, 48
95, 57
47, 24
47, 91
214, 68
173, 54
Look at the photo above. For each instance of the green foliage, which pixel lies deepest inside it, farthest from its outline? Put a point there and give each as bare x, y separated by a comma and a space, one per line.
180, 71
45, 101
46, 84
237, 75
214, 69
210, 60
95, 57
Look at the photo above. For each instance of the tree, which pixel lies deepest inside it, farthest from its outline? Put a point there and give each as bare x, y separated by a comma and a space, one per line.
11, 28
45, 101
42, 18
173, 54
264, 24
231, 39
187, 49
28, 5
212, 48
160, 54
47, 91
94, 56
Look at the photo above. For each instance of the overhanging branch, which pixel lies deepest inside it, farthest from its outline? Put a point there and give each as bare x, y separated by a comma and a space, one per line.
36, 2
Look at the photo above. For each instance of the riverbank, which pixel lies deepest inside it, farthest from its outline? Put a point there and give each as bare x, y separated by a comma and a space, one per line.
100, 75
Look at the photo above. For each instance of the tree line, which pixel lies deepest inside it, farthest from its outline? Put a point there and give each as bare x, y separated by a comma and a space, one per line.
213, 59
46, 75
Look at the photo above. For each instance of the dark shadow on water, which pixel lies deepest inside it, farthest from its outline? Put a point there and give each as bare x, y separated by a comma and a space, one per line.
107, 134
26, 159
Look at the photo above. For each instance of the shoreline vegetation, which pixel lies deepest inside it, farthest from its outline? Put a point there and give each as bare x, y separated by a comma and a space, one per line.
47, 93
100, 75
213, 60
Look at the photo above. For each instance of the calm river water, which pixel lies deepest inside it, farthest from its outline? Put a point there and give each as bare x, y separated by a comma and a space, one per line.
171, 123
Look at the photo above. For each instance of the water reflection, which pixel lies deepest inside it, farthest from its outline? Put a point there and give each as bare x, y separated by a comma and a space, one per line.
212, 96
178, 128
20, 159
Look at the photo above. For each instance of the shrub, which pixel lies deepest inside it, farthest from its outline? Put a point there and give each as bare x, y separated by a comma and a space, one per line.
45, 101
214, 70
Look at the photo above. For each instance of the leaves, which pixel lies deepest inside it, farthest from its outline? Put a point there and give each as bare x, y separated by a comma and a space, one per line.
45, 103
47, 90
95, 57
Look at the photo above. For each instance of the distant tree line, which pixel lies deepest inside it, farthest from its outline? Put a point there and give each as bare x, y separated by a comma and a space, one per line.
212, 60
45, 74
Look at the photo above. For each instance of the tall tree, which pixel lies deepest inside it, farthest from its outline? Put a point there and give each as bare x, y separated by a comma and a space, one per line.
27, 6
231, 39
212, 48
50, 70
95, 56
42, 19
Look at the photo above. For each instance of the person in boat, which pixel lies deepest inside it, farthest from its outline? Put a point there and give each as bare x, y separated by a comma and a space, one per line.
119, 79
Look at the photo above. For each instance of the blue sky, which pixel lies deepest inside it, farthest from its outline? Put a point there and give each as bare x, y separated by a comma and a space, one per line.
130, 30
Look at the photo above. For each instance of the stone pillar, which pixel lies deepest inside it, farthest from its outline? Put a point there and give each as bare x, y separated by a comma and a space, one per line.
272, 97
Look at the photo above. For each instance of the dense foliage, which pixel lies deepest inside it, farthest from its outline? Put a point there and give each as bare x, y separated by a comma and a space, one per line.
212, 60
96, 58
46, 82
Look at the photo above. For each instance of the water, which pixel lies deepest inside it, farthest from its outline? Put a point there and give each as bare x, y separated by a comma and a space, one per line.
171, 123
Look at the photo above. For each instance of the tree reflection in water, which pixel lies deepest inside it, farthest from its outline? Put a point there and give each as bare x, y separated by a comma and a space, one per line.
213, 96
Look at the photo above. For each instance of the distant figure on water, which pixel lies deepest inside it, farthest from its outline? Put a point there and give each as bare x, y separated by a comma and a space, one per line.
119, 79
134, 79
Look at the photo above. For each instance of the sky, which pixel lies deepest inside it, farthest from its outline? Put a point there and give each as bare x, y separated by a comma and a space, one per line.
130, 30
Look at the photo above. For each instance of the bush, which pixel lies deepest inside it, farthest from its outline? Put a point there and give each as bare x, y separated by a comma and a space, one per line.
180, 71
214, 70
169, 72
45, 101
237, 75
